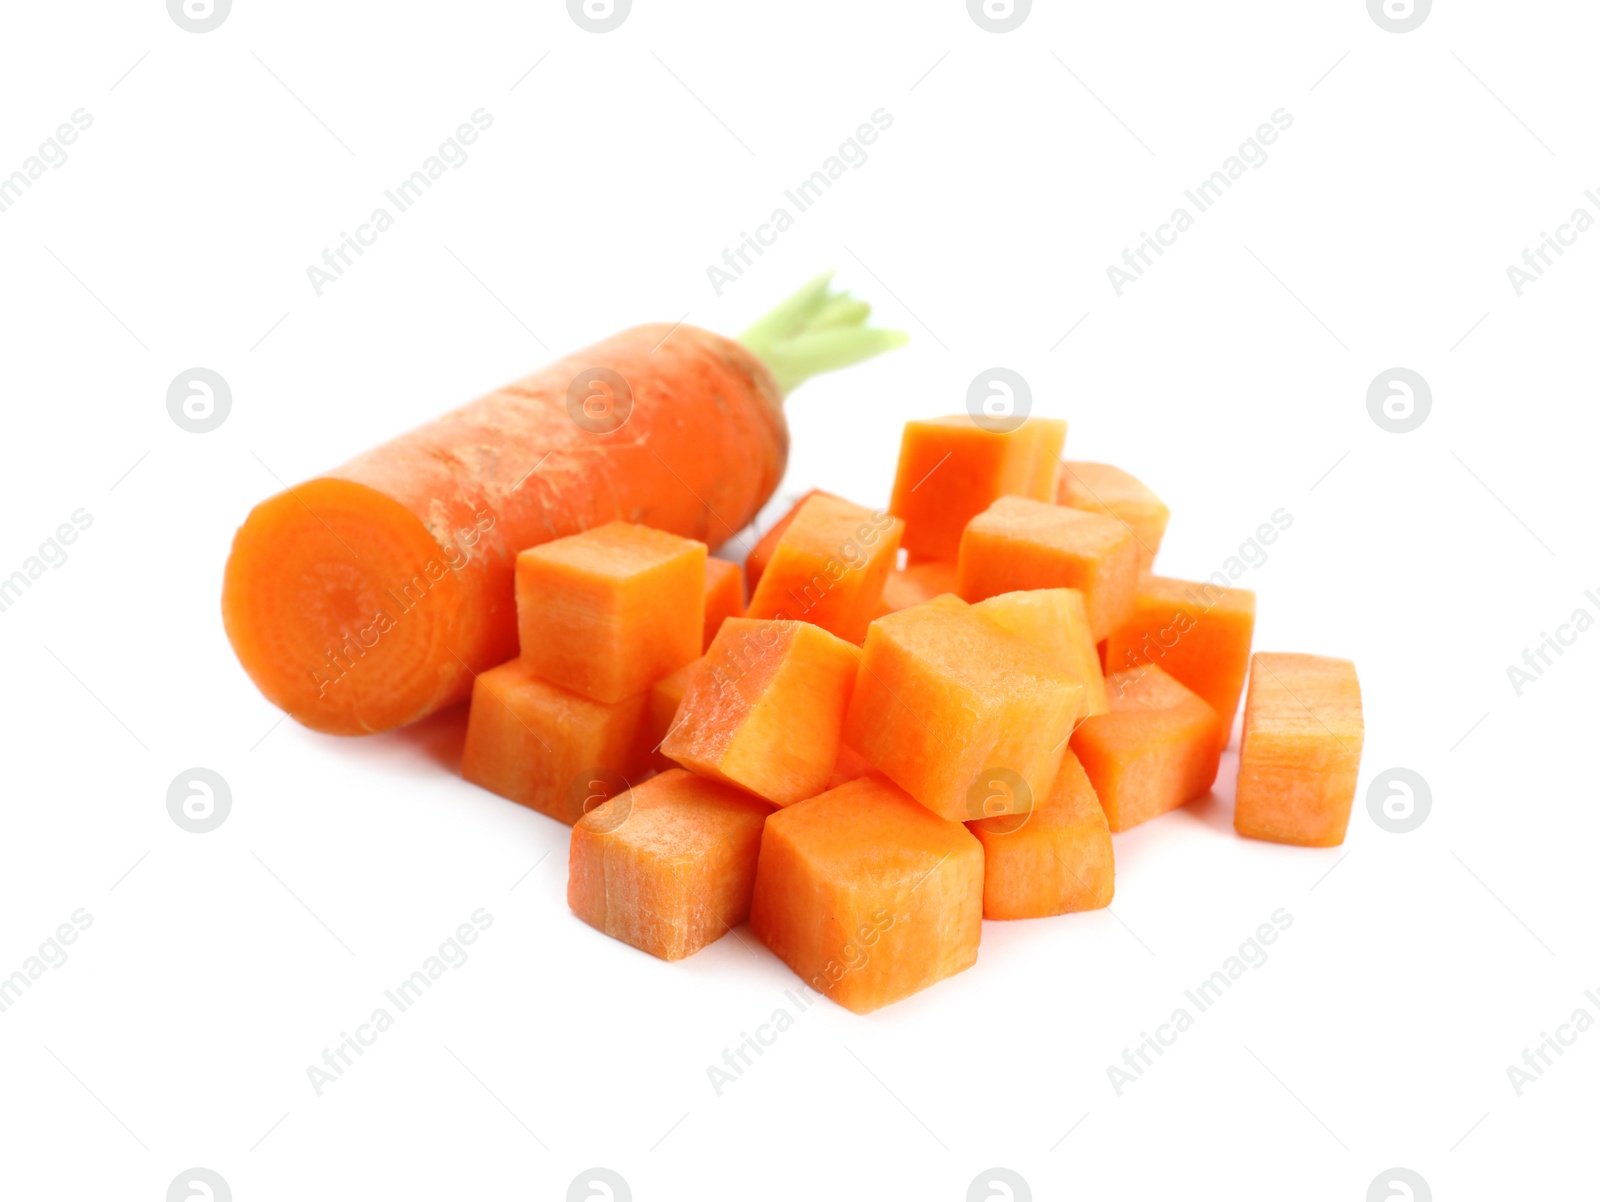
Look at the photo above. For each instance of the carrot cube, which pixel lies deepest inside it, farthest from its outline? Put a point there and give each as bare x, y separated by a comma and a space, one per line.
952, 469
764, 709
916, 583
1303, 732
1199, 634
546, 747
668, 866
1055, 621
724, 596
850, 765
1055, 860
867, 895
946, 701
1155, 751
760, 555
829, 567
1021, 544
606, 612
1101, 488
660, 708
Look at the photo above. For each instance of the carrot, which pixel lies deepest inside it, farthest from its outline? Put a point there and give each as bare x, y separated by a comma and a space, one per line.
951, 469
756, 561
1303, 732
724, 596
1055, 622
1101, 488
1019, 544
916, 583
660, 708
947, 702
555, 751
1197, 632
829, 567
1154, 751
668, 866
1054, 860
763, 710
368, 597
607, 612
867, 895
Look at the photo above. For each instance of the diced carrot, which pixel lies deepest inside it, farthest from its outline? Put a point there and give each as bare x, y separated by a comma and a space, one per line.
1101, 488
1198, 633
1055, 860
916, 583
668, 866
945, 699
661, 707
1303, 732
761, 554
850, 765
551, 749
829, 567
724, 595
1054, 621
1155, 751
763, 711
1021, 544
867, 895
607, 612
952, 469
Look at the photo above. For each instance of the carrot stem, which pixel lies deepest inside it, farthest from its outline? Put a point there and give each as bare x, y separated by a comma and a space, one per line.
817, 330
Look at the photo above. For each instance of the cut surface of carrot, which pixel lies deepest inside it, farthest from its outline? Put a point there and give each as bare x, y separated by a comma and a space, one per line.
668, 866
952, 469
1198, 633
548, 748
829, 566
607, 612
1019, 544
867, 895
1054, 860
760, 555
724, 596
1154, 751
851, 765
1303, 732
660, 708
763, 711
1104, 489
916, 583
1055, 622
947, 701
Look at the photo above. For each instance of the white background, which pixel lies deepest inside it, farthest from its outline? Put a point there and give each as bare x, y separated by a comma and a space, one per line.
1232, 378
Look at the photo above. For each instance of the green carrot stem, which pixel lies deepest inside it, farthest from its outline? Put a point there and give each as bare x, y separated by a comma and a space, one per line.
814, 331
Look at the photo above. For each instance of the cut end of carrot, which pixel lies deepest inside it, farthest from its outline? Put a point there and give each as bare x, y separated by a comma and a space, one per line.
337, 601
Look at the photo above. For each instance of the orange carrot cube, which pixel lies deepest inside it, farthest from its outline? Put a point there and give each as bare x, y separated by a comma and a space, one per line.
660, 708
668, 866
1055, 621
867, 895
724, 596
916, 583
606, 612
1155, 751
1303, 732
1020, 544
1199, 634
546, 747
764, 709
1054, 860
761, 554
951, 469
829, 567
1101, 488
851, 765
946, 701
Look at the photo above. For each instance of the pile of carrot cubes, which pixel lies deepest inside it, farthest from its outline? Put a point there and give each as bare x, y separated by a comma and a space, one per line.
874, 755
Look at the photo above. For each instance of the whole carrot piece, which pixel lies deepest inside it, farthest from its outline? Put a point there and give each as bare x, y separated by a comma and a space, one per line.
371, 595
